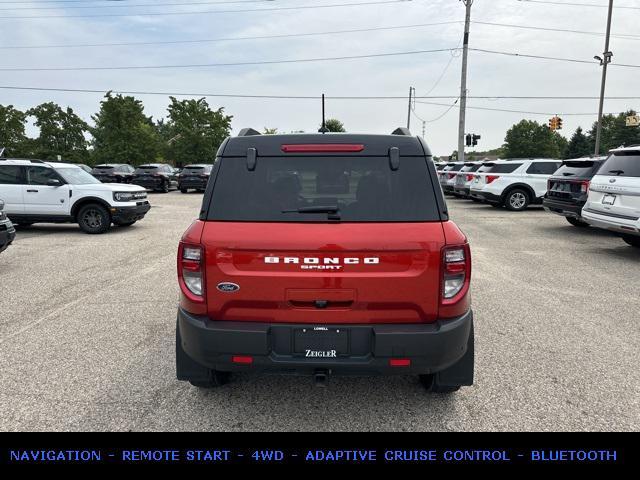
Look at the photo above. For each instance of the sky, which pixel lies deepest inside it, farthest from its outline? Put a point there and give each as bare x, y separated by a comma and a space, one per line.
74, 22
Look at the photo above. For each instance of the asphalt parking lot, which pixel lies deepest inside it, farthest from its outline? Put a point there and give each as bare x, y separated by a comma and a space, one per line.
87, 326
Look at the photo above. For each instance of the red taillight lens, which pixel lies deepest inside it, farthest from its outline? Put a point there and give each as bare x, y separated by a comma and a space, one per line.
451, 175
456, 268
242, 359
399, 362
491, 178
322, 148
584, 186
470, 177
190, 271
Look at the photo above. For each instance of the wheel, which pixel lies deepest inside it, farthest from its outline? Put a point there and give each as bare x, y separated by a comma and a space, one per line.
124, 224
576, 222
165, 187
430, 383
632, 240
183, 190
516, 200
94, 218
216, 379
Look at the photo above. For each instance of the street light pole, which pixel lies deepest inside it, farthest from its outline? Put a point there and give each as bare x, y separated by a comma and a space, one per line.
604, 61
463, 80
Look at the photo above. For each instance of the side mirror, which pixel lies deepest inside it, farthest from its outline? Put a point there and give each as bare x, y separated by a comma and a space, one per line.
54, 182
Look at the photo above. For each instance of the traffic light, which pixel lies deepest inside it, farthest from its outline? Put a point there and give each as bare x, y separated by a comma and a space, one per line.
468, 140
474, 139
558, 123
553, 123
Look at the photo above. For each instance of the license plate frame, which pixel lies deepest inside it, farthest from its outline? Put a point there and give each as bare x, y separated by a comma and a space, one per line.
321, 339
606, 197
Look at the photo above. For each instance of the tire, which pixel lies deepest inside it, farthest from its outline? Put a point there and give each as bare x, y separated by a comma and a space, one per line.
632, 240
165, 187
216, 379
517, 200
94, 219
430, 383
124, 224
576, 222
184, 190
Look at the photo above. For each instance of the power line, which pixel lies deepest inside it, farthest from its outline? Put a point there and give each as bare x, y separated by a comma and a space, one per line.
628, 36
228, 39
308, 97
229, 64
512, 111
542, 57
204, 12
575, 4
139, 5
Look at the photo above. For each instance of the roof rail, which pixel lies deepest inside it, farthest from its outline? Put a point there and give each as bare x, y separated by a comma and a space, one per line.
401, 131
248, 132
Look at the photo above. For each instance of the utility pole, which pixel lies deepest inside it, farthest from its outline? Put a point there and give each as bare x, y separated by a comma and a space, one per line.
411, 90
463, 80
603, 62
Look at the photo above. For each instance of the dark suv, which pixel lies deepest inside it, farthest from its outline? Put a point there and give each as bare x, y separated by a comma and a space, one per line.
113, 172
194, 177
568, 188
324, 254
7, 230
159, 177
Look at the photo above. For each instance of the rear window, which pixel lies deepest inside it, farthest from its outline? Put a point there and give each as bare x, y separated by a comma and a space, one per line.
504, 167
456, 168
364, 189
147, 169
103, 167
623, 164
582, 168
470, 168
10, 175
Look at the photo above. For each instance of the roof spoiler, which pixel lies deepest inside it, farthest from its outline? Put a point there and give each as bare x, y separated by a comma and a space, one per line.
248, 132
401, 131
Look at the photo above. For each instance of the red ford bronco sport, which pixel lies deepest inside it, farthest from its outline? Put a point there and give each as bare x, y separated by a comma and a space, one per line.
324, 254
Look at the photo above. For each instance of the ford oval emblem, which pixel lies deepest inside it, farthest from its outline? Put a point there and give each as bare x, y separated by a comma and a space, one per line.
228, 287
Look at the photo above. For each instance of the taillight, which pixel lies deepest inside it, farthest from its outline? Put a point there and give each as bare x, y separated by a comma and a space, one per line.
584, 186
470, 177
548, 184
322, 148
491, 178
451, 175
190, 271
456, 268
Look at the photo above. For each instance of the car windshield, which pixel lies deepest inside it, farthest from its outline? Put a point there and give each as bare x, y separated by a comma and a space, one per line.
318, 189
623, 164
77, 176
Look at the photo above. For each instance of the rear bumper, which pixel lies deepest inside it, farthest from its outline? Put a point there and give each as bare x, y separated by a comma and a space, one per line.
447, 188
613, 222
462, 191
197, 183
7, 234
130, 214
565, 209
430, 347
150, 183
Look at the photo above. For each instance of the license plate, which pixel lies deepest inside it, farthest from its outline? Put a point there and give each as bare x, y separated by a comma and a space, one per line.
608, 199
321, 342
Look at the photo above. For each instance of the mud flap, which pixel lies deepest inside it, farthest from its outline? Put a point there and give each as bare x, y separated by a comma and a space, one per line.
187, 368
460, 373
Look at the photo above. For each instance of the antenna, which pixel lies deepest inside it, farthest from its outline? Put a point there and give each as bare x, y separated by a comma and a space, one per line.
323, 128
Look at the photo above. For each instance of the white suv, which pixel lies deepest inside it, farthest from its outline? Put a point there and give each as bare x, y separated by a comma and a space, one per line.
41, 192
514, 183
614, 195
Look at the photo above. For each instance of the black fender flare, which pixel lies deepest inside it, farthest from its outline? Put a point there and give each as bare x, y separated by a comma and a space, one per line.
85, 201
522, 186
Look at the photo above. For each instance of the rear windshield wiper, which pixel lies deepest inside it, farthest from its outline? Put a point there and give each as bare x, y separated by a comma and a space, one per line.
617, 172
568, 174
331, 210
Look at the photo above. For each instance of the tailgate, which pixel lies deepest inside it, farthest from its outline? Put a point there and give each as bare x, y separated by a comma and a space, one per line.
323, 273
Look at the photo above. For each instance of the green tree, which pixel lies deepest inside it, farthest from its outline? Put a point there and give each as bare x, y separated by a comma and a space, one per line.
12, 133
62, 132
270, 131
334, 125
194, 131
123, 133
529, 138
579, 145
614, 132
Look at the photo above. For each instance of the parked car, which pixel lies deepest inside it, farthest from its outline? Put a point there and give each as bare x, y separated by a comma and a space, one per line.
360, 247
515, 183
448, 176
158, 177
614, 195
40, 192
568, 188
113, 172
464, 178
194, 177
7, 230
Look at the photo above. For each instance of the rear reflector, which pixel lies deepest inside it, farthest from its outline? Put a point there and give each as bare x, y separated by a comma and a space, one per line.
244, 360
322, 148
399, 362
